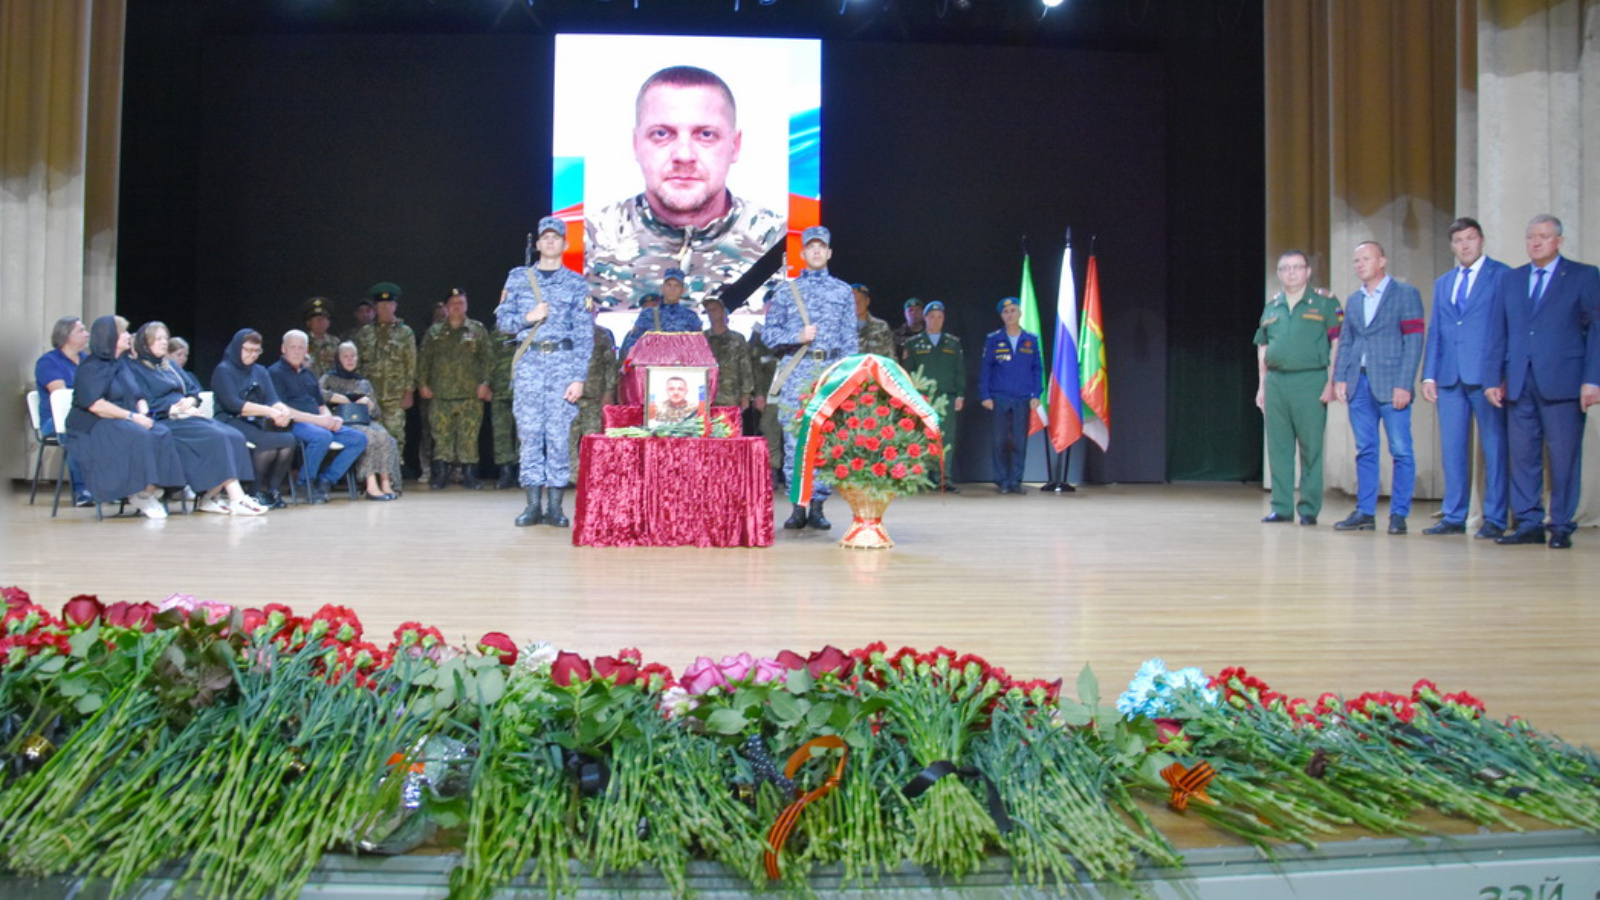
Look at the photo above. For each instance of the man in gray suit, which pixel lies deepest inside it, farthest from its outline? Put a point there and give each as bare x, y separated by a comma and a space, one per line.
1380, 347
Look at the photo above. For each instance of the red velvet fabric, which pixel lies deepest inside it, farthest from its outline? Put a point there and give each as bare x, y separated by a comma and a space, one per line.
633, 417
664, 348
673, 492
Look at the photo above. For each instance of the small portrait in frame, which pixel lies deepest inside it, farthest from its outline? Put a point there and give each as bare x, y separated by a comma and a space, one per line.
677, 395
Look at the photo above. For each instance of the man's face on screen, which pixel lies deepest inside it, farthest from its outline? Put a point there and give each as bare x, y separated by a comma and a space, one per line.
685, 141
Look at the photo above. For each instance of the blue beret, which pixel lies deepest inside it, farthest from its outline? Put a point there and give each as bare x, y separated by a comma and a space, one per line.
1005, 302
551, 223
934, 305
816, 233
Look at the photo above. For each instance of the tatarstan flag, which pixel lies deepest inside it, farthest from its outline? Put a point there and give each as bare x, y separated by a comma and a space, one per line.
1092, 363
1030, 323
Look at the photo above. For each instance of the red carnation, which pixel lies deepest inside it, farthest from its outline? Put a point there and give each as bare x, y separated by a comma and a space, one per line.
909, 424
916, 469
886, 432
879, 469
852, 422
895, 402
848, 406
857, 464
871, 443
841, 472
891, 453
837, 450
882, 411
899, 470
914, 451
829, 425
869, 423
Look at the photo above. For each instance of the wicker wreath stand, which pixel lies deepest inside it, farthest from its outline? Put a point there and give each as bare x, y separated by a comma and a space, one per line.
866, 530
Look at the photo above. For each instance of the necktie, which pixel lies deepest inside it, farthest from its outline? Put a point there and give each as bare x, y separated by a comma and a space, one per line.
1537, 293
1461, 288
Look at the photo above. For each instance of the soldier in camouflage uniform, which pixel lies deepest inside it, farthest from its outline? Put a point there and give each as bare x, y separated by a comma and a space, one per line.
425, 406
735, 381
546, 307
322, 348
364, 314
872, 333
912, 326
671, 315
763, 367
939, 356
453, 374
501, 419
599, 391
808, 349
685, 138
388, 350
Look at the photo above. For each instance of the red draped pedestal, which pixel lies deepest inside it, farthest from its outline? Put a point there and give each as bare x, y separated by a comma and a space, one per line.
673, 492
664, 348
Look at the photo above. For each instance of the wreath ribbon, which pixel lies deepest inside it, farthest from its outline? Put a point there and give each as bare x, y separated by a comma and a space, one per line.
779, 833
937, 770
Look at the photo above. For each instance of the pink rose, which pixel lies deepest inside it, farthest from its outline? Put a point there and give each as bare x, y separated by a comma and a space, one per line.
737, 668
702, 675
770, 670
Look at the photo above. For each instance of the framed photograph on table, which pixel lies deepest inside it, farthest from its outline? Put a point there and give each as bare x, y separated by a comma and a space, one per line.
676, 399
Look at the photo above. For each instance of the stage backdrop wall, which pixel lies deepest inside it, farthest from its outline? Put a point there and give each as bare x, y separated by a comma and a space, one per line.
328, 163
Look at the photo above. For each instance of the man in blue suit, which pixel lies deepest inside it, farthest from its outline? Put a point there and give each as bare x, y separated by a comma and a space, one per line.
1380, 346
1452, 376
1543, 358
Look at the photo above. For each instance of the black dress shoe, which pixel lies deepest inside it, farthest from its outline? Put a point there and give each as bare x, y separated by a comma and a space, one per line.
951, 489
1308, 520
1397, 524
1522, 536
1445, 528
1356, 521
1489, 533
1273, 518
1561, 541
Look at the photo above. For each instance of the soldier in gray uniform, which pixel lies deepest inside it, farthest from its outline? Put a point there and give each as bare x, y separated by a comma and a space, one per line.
546, 308
873, 333
685, 139
811, 322
671, 315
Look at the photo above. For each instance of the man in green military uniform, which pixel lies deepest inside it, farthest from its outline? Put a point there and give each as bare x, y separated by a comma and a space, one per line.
764, 368
912, 326
1297, 342
599, 391
938, 357
363, 314
735, 380
872, 333
502, 420
453, 374
388, 349
322, 348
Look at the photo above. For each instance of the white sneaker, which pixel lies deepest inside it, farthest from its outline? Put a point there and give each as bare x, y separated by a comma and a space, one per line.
246, 507
150, 505
215, 504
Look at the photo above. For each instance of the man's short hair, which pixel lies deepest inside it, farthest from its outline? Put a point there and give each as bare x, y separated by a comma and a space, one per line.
1376, 245
687, 77
1542, 218
295, 334
1463, 223
63, 330
1300, 253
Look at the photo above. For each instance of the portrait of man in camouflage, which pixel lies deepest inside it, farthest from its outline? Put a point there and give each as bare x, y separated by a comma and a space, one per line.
686, 138
669, 398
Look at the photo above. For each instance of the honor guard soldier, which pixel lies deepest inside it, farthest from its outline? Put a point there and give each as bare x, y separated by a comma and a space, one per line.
323, 347
811, 323
599, 391
546, 307
388, 350
938, 357
872, 333
670, 315
453, 375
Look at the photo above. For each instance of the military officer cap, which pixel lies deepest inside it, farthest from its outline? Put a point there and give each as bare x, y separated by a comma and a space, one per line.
816, 233
650, 298
316, 306
672, 274
551, 223
913, 302
457, 292
385, 290
1005, 302
932, 306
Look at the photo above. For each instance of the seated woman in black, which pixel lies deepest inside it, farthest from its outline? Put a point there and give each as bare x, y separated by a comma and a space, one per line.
245, 400
123, 451
214, 456
178, 355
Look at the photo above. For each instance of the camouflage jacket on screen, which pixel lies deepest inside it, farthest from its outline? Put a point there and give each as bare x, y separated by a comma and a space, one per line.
735, 380
627, 249
388, 357
454, 361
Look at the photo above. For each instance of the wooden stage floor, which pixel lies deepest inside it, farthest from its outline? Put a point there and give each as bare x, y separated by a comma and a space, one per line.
1040, 584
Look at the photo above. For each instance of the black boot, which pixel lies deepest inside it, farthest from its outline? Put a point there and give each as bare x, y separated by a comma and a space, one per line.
469, 477
439, 477
534, 514
817, 520
797, 519
552, 510
508, 477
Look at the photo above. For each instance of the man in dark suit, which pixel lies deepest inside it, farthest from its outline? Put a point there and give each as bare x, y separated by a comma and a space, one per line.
1543, 358
1380, 346
1452, 376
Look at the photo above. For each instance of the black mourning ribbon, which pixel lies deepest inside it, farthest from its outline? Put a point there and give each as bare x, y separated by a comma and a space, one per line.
590, 772
943, 767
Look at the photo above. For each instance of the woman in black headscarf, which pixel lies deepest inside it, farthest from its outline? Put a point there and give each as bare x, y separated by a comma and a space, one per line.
247, 401
123, 451
214, 456
379, 464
